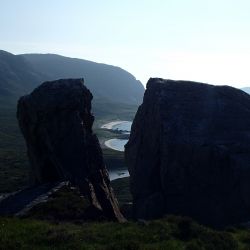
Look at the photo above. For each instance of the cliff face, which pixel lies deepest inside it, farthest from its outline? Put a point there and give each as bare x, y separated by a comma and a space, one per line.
189, 152
56, 122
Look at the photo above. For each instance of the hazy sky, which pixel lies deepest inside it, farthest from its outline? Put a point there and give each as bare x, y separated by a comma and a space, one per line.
202, 40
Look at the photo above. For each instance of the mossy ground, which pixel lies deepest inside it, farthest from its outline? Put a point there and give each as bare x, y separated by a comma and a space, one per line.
64, 205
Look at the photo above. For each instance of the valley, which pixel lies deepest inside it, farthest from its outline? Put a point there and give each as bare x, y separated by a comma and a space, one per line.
61, 217
124, 125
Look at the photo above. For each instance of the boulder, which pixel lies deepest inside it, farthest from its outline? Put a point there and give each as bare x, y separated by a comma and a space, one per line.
56, 122
189, 152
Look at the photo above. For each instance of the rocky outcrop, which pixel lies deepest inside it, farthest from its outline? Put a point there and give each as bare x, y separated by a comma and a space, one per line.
189, 152
56, 122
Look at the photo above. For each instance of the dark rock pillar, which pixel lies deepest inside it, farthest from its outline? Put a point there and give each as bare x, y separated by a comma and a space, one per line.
56, 122
189, 152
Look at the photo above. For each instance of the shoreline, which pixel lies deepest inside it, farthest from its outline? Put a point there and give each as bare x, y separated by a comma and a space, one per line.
115, 174
118, 174
107, 143
117, 143
110, 125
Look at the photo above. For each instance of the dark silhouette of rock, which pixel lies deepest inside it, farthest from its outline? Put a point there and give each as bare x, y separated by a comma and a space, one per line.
56, 122
189, 152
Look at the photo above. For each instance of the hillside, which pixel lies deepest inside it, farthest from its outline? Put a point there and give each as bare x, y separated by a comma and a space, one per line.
19, 74
106, 82
116, 92
17, 77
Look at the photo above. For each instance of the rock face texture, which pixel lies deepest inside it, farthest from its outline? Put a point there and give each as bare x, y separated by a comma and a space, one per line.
189, 152
56, 122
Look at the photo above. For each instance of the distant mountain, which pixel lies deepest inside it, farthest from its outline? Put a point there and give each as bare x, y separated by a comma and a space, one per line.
116, 92
104, 81
246, 89
19, 74
16, 76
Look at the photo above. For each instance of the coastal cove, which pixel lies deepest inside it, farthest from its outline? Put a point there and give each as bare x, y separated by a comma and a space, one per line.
123, 129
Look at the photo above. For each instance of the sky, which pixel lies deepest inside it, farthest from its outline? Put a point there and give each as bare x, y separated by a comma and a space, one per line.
199, 40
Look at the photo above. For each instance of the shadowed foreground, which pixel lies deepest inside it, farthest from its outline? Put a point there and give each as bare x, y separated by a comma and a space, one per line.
169, 233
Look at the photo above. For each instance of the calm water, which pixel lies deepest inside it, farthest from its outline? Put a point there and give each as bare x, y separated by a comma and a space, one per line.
118, 144
116, 174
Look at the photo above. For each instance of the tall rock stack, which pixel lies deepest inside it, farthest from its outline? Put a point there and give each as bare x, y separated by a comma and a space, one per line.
56, 122
189, 152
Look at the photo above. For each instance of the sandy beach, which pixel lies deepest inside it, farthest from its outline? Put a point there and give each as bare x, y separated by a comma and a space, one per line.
116, 144
117, 174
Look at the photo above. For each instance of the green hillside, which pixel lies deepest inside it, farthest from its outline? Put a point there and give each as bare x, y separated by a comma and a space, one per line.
106, 82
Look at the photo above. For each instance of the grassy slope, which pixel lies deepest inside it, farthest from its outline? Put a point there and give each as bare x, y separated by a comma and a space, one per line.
173, 233
13, 160
121, 189
58, 224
